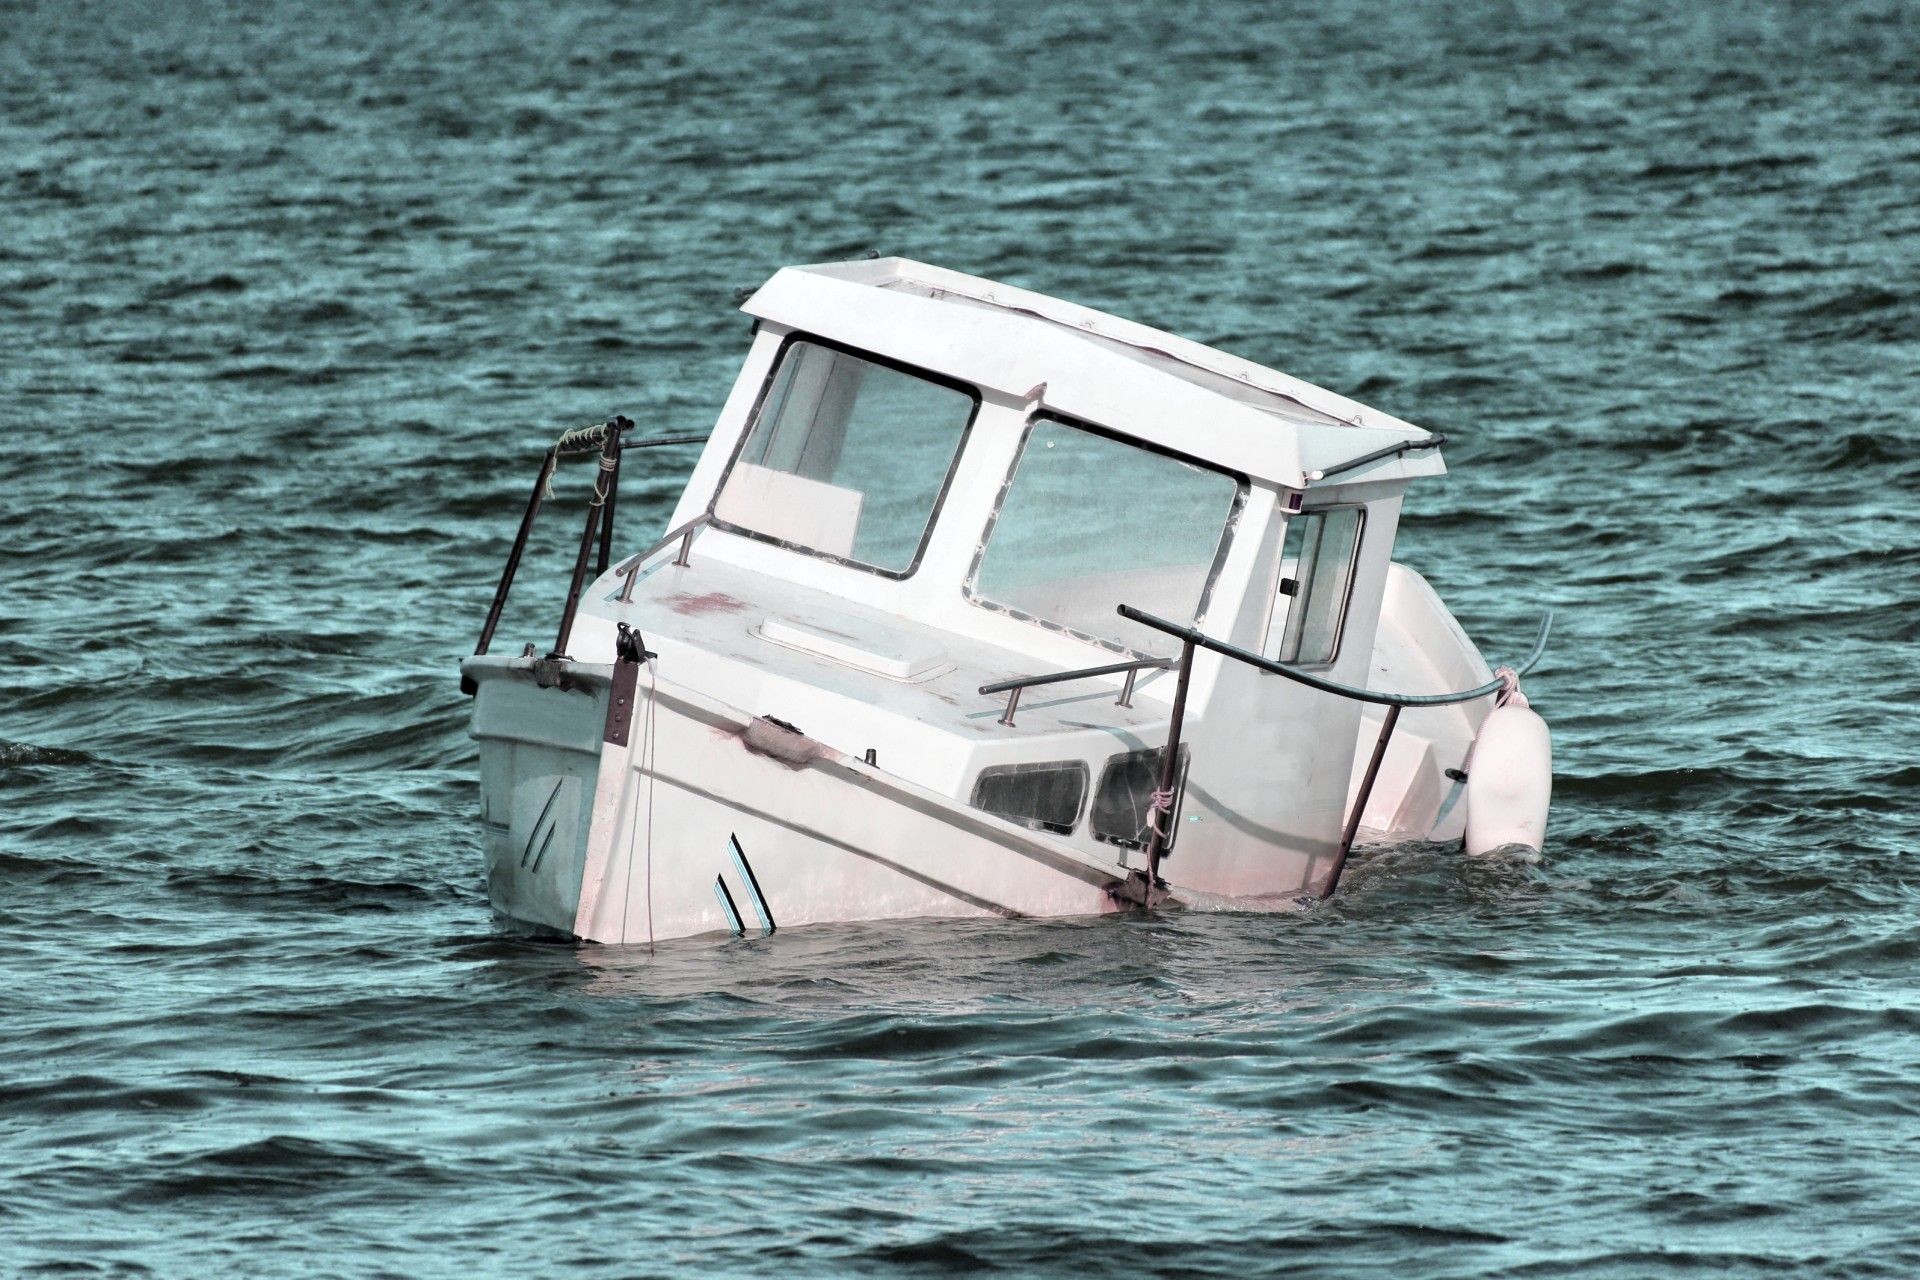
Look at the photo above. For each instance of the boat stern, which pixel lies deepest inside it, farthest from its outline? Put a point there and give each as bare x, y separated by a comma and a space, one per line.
536, 723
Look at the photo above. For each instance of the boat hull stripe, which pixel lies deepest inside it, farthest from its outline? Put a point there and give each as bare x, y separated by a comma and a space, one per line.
534, 832
752, 882
726, 905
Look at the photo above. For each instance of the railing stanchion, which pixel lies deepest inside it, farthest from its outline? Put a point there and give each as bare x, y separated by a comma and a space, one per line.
609, 458
1126, 690
519, 548
1013, 703
1191, 637
606, 492
686, 546
606, 517
1169, 771
1360, 800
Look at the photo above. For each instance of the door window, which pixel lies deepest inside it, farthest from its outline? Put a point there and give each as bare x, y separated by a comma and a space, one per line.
1316, 584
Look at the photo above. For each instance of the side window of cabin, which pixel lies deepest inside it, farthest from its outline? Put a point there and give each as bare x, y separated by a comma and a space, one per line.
847, 458
1122, 805
1046, 797
1316, 582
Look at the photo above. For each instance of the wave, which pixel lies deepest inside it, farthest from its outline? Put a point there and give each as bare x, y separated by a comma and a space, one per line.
286, 1167
24, 754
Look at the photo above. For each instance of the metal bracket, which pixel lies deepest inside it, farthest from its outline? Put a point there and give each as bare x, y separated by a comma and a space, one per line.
1138, 890
629, 653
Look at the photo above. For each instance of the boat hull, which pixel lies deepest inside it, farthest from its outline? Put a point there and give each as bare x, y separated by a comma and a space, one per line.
706, 820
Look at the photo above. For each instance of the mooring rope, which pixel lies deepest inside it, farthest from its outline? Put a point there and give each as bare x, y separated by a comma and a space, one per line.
1509, 687
581, 439
1161, 802
587, 440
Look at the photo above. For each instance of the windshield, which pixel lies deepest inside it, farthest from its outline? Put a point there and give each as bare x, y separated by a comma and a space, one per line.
1088, 523
846, 458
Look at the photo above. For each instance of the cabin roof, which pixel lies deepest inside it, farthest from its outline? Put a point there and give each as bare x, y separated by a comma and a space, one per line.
1127, 377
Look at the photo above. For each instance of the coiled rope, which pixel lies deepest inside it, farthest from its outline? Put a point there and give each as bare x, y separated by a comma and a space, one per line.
1159, 806
592, 439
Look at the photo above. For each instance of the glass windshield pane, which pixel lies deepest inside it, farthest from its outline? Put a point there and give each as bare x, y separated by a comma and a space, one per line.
847, 458
1090, 523
1320, 550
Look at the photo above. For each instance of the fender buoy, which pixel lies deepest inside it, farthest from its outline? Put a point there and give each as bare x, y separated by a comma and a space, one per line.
1510, 779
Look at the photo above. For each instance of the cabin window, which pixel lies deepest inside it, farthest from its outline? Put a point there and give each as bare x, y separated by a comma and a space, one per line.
847, 458
1088, 522
1046, 797
1124, 799
1316, 583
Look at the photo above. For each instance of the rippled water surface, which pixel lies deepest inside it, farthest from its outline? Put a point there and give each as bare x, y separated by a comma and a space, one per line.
290, 298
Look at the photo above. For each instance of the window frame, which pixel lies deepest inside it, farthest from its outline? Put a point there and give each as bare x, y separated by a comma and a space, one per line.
1135, 842
1242, 487
787, 343
1012, 769
1276, 644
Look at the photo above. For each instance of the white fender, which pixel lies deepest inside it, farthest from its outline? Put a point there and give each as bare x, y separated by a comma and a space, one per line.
1510, 779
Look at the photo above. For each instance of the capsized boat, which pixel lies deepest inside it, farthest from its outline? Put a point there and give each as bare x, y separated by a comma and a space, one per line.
982, 603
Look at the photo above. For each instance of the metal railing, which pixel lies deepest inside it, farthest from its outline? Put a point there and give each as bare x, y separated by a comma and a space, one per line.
1015, 687
1391, 451
683, 534
1192, 638
607, 440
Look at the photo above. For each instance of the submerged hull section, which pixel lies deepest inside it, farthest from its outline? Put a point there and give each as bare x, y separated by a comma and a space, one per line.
707, 821
1443, 776
539, 761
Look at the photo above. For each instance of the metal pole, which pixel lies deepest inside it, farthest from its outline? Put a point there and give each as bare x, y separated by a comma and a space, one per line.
606, 517
1013, 703
1180, 632
609, 458
1360, 801
1126, 690
1351, 464
513, 557
1169, 766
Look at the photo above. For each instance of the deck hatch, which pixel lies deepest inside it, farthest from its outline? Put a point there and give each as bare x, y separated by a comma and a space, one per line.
864, 646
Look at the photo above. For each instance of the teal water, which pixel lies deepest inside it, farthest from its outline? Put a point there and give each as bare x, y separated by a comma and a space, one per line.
291, 296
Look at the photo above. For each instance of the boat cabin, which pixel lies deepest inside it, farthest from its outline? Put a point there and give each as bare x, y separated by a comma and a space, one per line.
924, 485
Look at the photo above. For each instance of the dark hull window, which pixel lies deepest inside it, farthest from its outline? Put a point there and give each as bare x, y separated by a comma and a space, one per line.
1120, 805
1046, 797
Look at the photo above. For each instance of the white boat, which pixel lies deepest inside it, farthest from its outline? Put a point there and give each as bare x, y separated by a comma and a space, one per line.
957, 562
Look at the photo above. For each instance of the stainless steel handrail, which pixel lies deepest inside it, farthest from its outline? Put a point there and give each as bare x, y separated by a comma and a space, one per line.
690, 437
1203, 641
683, 534
1191, 638
1013, 688
1391, 451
